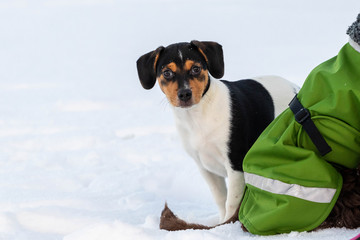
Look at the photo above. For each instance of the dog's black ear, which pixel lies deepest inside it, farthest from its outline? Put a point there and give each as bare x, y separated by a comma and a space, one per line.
146, 66
213, 55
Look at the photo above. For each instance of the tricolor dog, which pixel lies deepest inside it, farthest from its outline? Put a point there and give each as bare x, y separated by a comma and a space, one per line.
218, 121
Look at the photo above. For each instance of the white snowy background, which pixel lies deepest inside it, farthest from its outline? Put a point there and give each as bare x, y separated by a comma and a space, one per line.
85, 152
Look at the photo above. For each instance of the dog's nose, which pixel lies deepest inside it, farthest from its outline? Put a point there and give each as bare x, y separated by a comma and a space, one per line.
184, 94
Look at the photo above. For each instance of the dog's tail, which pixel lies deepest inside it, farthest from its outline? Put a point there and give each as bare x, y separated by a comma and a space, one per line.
169, 221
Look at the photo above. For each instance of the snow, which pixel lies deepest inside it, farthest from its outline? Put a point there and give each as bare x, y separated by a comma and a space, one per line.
85, 152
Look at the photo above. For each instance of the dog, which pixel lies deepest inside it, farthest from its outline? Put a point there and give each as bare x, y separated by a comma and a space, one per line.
218, 121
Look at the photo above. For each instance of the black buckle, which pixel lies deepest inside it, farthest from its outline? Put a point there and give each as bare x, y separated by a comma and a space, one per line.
302, 115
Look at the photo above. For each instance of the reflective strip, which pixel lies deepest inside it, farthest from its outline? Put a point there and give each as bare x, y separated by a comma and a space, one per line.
313, 194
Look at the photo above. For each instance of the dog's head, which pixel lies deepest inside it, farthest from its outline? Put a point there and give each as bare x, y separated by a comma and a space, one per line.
182, 70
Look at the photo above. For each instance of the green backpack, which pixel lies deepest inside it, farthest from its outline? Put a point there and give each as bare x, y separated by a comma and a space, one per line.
291, 179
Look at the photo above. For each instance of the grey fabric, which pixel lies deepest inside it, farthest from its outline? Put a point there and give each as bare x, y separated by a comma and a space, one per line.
354, 30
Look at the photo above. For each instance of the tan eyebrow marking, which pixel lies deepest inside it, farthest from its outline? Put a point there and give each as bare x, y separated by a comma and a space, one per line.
172, 66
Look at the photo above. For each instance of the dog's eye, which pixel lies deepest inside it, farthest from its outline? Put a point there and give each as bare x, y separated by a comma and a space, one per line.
195, 70
168, 74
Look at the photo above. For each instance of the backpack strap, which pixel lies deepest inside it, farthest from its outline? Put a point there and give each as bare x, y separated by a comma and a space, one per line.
302, 116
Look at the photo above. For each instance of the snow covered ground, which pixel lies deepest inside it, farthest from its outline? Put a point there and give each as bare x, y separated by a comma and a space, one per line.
85, 152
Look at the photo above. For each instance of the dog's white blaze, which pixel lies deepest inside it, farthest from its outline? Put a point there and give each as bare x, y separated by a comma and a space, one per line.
180, 55
186, 85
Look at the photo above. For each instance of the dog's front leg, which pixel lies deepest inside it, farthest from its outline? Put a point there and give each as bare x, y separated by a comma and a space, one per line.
217, 187
236, 186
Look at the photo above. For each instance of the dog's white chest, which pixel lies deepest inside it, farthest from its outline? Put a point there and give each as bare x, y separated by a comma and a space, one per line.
205, 128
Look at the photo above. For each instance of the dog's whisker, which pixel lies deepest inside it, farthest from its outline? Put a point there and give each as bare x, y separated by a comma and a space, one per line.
164, 103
